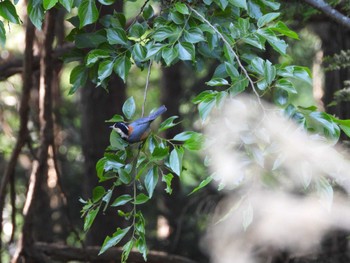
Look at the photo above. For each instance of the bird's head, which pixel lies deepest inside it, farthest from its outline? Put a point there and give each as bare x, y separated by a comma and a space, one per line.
121, 128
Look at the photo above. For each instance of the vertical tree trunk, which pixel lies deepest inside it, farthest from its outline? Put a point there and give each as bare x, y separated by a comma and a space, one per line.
38, 228
97, 105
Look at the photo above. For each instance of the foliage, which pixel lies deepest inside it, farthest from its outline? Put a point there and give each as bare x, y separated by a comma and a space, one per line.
338, 61
235, 33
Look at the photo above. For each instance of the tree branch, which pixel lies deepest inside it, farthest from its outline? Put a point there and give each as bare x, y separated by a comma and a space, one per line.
329, 11
23, 115
67, 253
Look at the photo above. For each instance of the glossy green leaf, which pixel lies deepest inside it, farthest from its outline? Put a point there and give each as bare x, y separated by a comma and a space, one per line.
239, 3
115, 118
142, 247
67, 4
204, 183
2, 34
97, 193
78, 78
90, 217
182, 8
122, 200
48, 4
194, 35
281, 27
139, 52
205, 107
141, 199
90, 40
151, 180
105, 69
116, 36
148, 12
265, 19
167, 178
95, 55
159, 153
186, 50
36, 13
106, 2
114, 240
175, 160
117, 142
162, 33
169, 55
8, 12
122, 67
153, 50
87, 12
168, 123
129, 108
217, 82
137, 30
277, 44
127, 249
286, 85
222, 3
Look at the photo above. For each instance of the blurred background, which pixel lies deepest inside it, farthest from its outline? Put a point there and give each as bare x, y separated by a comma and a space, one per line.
175, 223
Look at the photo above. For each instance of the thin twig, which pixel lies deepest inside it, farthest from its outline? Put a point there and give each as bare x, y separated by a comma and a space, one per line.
146, 88
231, 50
138, 15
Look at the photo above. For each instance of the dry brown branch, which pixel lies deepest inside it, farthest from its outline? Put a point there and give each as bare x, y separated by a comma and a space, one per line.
68, 253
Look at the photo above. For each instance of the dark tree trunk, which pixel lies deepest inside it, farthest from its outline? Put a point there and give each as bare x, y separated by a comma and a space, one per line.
97, 105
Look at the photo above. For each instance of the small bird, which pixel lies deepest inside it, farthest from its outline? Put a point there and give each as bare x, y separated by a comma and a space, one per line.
139, 129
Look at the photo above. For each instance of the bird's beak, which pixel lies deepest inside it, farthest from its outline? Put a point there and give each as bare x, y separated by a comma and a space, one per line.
111, 126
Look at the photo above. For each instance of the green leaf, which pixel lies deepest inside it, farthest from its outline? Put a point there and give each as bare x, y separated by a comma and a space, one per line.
153, 50
142, 247
175, 160
90, 217
117, 142
116, 118
148, 12
167, 124
141, 199
2, 34
269, 72
182, 8
139, 52
204, 183
48, 4
106, 2
217, 82
137, 30
193, 140
205, 108
162, 33
169, 54
231, 70
277, 44
186, 50
325, 192
78, 78
159, 153
280, 27
95, 55
258, 65
117, 36
129, 108
87, 12
90, 40
265, 19
286, 85
222, 3
151, 180
105, 69
67, 4
167, 179
272, 4
345, 129
8, 12
121, 200
194, 35
127, 249
122, 67
36, 12
239, 3
114, 240
97, 193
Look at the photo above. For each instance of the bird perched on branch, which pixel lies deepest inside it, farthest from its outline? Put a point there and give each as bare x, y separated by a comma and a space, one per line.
139, 129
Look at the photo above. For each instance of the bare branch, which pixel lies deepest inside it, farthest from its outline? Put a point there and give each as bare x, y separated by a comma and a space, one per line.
66, 253
329, 11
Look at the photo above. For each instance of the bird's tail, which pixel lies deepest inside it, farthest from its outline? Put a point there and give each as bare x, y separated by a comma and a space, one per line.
158, 112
